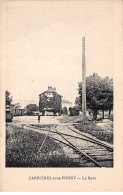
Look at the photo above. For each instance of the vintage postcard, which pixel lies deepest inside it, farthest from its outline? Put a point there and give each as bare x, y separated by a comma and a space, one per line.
61, 95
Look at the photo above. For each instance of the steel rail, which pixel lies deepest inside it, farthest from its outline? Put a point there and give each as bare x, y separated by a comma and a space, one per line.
88, 138
69, 144
80, 151
96, 141
65, 134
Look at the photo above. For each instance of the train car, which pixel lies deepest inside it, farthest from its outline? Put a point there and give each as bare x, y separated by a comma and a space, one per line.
74, 111
9, 116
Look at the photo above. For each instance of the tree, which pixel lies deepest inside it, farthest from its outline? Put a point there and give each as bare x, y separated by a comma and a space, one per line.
106, 95
99, 94
30, 108
8, 96
78, 102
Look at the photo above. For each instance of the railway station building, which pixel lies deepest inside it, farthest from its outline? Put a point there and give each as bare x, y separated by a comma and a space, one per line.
50, 102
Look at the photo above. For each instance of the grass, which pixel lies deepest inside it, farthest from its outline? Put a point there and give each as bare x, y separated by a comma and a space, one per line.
22, 150
101, 131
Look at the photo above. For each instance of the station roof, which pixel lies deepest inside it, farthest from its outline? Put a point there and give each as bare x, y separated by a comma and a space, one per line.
50, 90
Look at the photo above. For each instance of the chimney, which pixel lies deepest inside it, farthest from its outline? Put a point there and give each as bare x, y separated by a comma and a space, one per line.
50, 88
54, 89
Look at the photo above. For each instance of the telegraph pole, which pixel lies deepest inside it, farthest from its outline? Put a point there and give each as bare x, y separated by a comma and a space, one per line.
83, 82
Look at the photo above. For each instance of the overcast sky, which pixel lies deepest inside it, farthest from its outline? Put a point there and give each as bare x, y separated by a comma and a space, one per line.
44, 47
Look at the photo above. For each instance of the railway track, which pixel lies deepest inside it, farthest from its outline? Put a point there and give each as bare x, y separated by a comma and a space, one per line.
92, 150
80, 135
81, 153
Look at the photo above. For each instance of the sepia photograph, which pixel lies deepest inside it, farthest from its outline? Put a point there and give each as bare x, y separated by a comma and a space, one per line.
59, 95
60, 99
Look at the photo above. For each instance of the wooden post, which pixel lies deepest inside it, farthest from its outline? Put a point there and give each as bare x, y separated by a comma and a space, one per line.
83, 82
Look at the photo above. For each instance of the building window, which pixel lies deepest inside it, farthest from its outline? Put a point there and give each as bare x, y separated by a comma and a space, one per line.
50, 95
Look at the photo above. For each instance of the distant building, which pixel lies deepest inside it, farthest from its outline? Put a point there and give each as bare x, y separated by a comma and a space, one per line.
12, 109
65, 106
16, 110
22, 111
66, 103
50, 102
